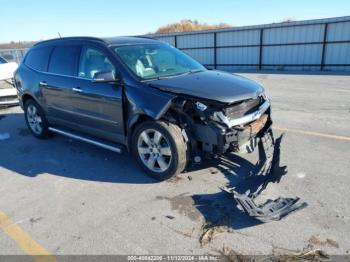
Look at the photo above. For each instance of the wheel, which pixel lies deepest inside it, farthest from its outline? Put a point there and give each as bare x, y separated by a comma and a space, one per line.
35, 119
160, 149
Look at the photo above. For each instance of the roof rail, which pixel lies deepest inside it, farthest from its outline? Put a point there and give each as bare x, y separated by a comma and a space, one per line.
145, 36
71, 38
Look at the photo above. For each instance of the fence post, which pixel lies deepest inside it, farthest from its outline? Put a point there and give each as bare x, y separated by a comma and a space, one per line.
324, 45
261, 47
17, 56
215, 49
175, 40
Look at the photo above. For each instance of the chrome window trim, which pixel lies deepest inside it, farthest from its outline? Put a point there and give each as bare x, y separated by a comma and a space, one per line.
54, 74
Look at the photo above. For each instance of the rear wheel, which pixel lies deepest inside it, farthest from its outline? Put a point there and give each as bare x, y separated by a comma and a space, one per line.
35, 119
160, 149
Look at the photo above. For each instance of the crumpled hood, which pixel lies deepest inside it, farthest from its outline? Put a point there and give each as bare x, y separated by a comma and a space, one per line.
211, 84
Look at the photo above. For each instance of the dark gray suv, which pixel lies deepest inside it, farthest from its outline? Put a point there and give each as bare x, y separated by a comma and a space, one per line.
142, 95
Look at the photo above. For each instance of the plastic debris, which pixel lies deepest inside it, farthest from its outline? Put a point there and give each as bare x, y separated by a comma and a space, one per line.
271, 210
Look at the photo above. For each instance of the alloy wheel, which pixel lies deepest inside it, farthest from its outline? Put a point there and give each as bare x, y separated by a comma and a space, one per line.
154, 150
34, 119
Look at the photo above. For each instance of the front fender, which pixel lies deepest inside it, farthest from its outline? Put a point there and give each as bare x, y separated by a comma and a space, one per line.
146, 101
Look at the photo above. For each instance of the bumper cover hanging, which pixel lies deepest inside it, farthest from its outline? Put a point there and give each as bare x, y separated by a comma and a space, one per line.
271, 210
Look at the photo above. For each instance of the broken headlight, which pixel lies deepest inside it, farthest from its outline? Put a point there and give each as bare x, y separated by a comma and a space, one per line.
200, 106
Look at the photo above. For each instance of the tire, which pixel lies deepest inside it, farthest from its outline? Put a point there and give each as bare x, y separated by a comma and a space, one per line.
166, 163
35, 119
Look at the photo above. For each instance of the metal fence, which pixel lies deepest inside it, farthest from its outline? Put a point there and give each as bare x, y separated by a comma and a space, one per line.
13, 55
312, 45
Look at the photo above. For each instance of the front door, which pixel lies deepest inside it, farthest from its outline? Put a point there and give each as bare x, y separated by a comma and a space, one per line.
98, 106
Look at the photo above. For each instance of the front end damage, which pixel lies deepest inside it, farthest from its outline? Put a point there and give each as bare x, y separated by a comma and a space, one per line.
214, 128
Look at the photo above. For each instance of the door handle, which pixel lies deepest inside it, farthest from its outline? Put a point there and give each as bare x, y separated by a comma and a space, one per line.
77, 89
43, 83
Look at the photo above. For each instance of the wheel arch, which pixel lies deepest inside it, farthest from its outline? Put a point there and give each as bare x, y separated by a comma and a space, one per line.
133, 122
26, 96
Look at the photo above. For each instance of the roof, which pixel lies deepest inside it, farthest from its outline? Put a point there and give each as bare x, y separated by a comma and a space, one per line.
126, 40
122, 40
64, 39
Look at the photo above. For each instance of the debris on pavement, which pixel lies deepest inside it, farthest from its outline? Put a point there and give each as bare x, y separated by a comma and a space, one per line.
315, 240
174, 179
208, 233
170, 217
232, 255
281, 254
271, 210
35, 220
213, 171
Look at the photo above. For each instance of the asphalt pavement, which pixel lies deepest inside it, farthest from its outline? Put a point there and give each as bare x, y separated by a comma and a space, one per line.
65, 197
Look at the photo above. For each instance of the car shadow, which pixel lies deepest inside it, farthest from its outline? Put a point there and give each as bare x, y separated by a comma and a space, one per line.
60, 156
23, 154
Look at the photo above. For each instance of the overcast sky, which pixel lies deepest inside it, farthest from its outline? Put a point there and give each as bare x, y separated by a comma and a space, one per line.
39, 19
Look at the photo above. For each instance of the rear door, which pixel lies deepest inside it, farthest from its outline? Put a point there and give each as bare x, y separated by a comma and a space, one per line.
58, 87
98, 106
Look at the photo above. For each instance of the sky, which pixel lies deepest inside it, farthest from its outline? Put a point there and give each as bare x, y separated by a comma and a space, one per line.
26, 20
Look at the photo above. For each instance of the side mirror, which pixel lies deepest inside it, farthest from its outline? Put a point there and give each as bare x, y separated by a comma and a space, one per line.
105, 76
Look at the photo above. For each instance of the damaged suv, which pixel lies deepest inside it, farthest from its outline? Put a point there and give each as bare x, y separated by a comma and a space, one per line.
140, 94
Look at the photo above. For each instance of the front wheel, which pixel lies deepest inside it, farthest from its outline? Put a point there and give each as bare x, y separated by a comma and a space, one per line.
35, 119
160, 149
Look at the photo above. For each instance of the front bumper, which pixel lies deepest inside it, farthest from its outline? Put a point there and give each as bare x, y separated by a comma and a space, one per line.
216, 138
245, 119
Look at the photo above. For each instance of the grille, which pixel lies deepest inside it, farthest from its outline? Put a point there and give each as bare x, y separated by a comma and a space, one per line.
243, 108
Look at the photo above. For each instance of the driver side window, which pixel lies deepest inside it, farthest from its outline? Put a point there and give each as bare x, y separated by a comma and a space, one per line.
93, 61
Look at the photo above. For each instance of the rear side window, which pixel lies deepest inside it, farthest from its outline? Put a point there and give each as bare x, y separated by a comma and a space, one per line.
38, 58
63, 60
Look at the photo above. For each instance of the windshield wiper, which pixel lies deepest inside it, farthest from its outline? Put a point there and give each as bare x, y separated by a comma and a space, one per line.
167, 76
192, 71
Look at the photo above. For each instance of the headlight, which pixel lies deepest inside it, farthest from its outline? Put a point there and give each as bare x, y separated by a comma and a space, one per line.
200, 106
264, 96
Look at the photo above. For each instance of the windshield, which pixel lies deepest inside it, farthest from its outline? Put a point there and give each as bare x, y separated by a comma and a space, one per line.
150, 61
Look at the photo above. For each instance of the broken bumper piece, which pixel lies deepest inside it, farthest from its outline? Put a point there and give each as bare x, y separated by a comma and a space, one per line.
245, 119
271, 210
